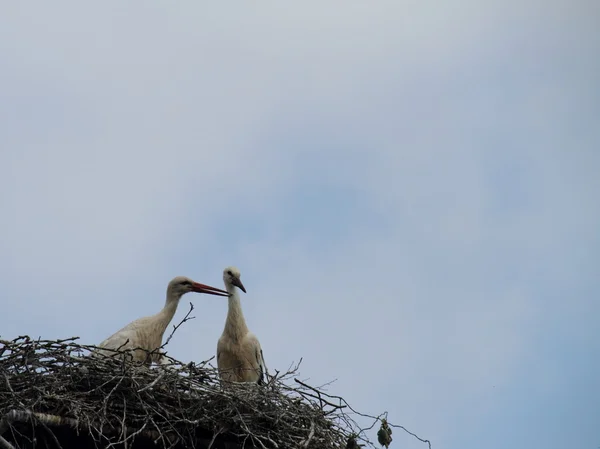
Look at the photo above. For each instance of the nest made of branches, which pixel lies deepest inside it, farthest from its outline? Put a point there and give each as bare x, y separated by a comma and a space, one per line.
56, 383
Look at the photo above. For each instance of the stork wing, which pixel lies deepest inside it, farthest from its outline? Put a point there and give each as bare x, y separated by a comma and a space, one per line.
262, 380
129, 337
122, 339
243, 360
260, 359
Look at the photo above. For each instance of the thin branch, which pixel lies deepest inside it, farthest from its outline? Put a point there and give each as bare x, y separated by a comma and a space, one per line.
151, 384
311, 434
319, 395
175, 327
5, 444
410, 433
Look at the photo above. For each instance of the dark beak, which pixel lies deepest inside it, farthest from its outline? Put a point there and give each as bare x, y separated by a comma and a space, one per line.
238, 283
201, 288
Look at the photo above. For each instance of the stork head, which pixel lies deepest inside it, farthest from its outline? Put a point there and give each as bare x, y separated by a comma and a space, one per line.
231, 276
181, 285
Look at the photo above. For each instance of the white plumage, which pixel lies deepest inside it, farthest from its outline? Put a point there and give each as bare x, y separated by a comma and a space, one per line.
239, 354
146, 334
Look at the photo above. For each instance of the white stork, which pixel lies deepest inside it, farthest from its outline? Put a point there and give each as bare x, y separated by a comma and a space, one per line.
239, 355
147, 333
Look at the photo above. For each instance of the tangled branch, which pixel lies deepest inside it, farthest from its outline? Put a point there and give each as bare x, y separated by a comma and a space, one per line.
47, 384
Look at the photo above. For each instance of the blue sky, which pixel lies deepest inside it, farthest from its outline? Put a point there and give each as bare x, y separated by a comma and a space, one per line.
410, 190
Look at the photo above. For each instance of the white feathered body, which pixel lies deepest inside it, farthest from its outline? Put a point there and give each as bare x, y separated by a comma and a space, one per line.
239, 354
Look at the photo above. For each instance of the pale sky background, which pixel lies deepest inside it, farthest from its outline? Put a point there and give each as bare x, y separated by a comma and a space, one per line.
409, 188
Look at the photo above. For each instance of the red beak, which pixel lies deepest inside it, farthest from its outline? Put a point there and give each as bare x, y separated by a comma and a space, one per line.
201, 288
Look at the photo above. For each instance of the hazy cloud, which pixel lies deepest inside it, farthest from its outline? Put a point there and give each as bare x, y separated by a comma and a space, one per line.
409, 190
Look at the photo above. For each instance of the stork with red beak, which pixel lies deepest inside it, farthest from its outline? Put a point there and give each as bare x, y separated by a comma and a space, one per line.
145, 334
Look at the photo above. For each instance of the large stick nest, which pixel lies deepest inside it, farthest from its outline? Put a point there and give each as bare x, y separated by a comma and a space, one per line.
51, 385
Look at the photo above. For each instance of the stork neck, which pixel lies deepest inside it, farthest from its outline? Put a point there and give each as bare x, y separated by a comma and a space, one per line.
235, 325
168, 312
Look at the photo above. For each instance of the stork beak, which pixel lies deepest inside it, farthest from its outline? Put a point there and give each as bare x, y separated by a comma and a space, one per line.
236, 281
201, 288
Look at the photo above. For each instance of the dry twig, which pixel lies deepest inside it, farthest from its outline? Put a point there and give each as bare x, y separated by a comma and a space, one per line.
45, 384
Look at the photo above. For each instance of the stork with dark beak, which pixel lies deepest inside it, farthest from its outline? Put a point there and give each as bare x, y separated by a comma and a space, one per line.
239, 354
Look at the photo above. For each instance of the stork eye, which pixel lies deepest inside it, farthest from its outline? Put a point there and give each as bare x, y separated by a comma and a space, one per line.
229, 272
